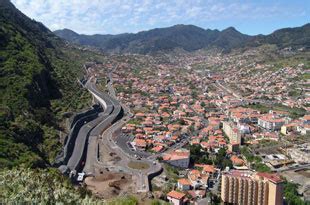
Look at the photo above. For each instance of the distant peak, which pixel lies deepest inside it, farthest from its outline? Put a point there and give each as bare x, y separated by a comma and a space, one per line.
65, 30
231, 29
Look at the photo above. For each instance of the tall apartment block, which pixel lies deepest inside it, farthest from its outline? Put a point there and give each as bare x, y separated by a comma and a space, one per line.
232, 132
251, 188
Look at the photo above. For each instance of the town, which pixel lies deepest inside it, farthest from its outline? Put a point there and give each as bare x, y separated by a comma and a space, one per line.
155, 102
212, 130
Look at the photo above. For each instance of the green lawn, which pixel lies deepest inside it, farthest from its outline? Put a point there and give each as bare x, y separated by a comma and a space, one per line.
138, 165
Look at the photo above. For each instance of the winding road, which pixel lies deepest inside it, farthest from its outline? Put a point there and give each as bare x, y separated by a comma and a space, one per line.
95, 128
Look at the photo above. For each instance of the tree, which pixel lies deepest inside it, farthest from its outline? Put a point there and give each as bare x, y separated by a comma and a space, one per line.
291, 194
195, 151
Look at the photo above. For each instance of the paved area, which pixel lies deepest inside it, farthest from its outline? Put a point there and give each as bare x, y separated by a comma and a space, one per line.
123, 141
111, 146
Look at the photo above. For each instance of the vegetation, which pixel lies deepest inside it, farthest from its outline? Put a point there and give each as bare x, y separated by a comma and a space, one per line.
127, 200
138, 165
167, 39
293, 112
39, 89
221, 159
172, 172
46, 186
38, 83
255, 161
200, 157
291, 194
159, 202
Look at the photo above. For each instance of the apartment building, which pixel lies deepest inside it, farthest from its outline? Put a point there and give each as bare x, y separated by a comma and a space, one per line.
232, 132
247, 188
271, 122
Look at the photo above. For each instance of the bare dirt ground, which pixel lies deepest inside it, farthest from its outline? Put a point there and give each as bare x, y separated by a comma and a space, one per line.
108, 184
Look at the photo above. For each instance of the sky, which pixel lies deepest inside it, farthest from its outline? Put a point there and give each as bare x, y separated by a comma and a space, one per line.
130, 16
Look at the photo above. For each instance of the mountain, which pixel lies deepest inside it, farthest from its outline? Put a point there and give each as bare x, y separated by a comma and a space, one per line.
38, 86
230, 38
295, 37
187, 37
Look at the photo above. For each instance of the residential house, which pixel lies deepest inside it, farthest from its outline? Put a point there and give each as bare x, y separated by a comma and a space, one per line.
176, 198
184, 184
197, 179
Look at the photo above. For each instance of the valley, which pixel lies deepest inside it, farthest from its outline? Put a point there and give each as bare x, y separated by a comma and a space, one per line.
173, 115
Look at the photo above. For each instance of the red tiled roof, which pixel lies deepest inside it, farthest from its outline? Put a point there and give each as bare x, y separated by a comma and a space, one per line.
157, 148
140, 142
208, 168
236, 160
184, 181
176, 195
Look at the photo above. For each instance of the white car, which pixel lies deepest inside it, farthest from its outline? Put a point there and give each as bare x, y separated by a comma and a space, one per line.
81, 176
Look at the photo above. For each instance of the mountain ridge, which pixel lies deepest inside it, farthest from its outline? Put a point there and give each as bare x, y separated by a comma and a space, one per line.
187, 37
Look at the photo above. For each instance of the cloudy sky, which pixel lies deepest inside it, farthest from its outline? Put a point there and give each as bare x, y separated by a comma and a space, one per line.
119, 16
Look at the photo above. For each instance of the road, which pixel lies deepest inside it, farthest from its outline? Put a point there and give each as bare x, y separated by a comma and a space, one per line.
142, 176
112, 110
123, 142
228, 90
95, 128
78, 121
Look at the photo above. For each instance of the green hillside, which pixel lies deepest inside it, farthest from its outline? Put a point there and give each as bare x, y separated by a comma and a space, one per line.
38, 85
189, 38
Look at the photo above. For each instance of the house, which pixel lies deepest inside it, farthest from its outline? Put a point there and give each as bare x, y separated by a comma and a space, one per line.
237, 161
176, 198
304, 129
285, 129
158, 148
197, 194
178, 158
306, 119
140, 143
244, 128
197, 179
184, 184
208, 170
244, 115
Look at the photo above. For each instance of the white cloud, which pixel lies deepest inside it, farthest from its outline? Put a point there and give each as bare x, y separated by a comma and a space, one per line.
114, 16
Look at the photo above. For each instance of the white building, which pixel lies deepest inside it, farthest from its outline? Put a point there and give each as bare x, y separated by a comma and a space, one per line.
271, 123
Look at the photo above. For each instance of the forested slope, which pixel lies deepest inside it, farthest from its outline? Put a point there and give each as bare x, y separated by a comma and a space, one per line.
38, 85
